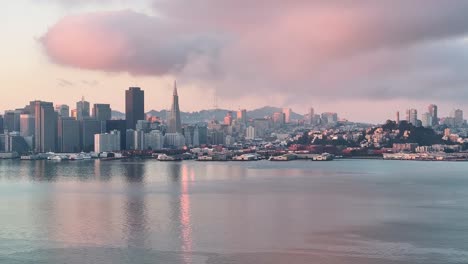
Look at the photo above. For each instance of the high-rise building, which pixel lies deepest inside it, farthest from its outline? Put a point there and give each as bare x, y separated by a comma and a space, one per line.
413, 117
12, 120
74, 113
107, 142
68, 138
45, 127
88, 128
329, 118
134, 106
63, 110
82, 109
457, 115
279, 118
102, 112
426, 120
250, 133
433, 110
242, 116
228, 118
174, 122
27, 125
174, 140
311, 115
287, 115
1, 125
397, 117
121, 126
154, 140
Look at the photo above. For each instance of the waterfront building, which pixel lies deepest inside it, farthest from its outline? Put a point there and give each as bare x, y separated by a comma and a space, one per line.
1, 124
107, 142
129, 139
174, 121
174, 140
120, 125
68, 136
134, 106
27, 125
154, 140
45, 127
63, 110
102, 112
88, 128
82, 109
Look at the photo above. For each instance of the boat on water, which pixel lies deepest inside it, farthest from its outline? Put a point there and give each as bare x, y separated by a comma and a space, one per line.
164, 157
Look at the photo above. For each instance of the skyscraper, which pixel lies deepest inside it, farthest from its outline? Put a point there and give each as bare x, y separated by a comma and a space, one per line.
432, 109
311, 115
134, 106
426, 120
242, 115
27, 125
457, 115
287, 115
45, 127
413, 117
68, 135
63, 110
175, 124
102, 112
82, 109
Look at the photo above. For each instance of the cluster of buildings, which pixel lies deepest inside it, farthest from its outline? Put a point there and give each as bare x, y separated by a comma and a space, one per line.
430, 118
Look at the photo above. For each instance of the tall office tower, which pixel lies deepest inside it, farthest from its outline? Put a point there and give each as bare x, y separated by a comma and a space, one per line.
82, 109
68, 137
408, 115
45, 127
457, 115
228, 118
397, 117
279, 119
134, 106
311, 115
102, 112
433, 110
120, 125
413, 117
242, 115
426, 120
88, 128
74, 114
27, 125
63, 110
175, 125
1, 124
12, 120
287, 115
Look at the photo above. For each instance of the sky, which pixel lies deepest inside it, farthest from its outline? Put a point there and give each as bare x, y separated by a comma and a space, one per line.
364, 59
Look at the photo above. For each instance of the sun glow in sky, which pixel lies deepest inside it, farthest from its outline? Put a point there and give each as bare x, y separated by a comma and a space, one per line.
362, 59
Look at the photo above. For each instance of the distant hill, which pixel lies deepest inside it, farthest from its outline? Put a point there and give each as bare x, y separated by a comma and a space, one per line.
206, 115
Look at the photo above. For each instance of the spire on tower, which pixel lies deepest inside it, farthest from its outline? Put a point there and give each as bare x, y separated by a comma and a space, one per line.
175, 88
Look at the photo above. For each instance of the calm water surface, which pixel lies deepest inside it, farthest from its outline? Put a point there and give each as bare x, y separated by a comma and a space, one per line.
347, 211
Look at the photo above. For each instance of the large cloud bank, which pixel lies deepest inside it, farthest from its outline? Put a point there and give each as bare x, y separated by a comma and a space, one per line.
329, 49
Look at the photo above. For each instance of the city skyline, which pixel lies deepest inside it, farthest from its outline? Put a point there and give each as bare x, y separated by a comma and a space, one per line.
58, 52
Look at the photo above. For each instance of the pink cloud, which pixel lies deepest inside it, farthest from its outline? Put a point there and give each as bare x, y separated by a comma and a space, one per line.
377, 49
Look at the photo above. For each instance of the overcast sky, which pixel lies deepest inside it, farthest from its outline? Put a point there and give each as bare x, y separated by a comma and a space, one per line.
363, 59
